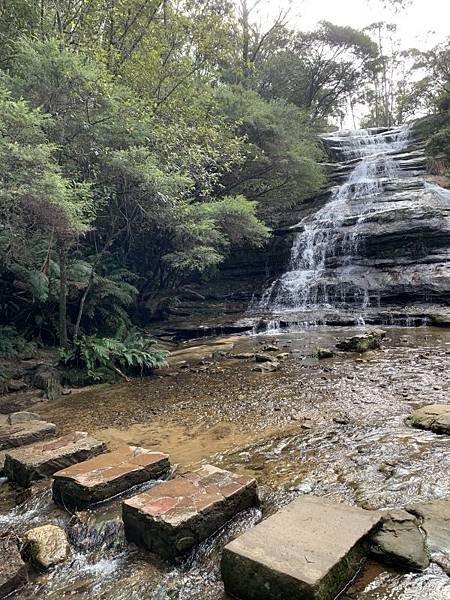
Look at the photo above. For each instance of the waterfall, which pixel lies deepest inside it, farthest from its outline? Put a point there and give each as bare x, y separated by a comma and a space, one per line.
329, 238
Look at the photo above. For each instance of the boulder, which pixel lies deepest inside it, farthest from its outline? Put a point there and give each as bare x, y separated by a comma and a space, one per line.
22, 416
435, 417
435, 522
267, 367
324, 353
45, 546
107, 475
24, 432
371, 340
41, 460
173, 517
48, 379
13, 571
400, 542
262, 358
310, 549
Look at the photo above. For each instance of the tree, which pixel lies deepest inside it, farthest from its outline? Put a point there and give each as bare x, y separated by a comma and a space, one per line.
35, 198
317, 71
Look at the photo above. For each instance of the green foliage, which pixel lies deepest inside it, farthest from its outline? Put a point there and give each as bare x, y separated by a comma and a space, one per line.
439, 144
95, 355
12, 344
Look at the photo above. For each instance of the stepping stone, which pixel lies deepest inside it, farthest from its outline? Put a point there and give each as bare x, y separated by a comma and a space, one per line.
26, 432
308, 550
173, 517
41, 460
107, 475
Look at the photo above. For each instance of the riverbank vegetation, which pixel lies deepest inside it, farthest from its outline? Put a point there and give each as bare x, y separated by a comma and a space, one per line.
143, 142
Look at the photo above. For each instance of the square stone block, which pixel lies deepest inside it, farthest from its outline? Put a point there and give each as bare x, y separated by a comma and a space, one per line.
173, 517
41, 460
308, 550
27, 432
107, 475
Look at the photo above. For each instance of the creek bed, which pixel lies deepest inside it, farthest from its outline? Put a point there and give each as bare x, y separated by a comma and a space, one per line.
333, 428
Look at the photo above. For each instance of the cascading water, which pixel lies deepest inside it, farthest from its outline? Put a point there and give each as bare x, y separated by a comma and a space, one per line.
330, 237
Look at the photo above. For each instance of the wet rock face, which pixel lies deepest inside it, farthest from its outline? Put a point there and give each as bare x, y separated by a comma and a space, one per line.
107, 475
400, 542
362, 343
45, 546
435, 522
41, 460
173, 517
309, 549
435, 418
13, 571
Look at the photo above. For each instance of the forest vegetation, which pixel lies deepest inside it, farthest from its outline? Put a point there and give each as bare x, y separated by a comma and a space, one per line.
143, 141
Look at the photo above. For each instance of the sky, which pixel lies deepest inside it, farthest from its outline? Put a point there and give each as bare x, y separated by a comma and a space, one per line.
421, 25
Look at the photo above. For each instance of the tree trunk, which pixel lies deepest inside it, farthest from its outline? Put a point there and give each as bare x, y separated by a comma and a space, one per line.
62, 250
245, 39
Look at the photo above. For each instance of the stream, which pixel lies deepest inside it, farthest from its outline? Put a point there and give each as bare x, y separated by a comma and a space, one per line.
333, 428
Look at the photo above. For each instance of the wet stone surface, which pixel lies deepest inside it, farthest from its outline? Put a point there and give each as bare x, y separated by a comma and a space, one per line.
436, 418
173, 517
26, 432
13, 571
400, 542
279, 428
309, 549
107, 475
41, 460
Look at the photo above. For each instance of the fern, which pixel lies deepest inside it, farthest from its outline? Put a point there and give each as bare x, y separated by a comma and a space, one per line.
134, 353
12, 344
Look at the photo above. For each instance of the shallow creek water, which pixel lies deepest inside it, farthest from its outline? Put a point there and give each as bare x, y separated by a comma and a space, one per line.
333, 428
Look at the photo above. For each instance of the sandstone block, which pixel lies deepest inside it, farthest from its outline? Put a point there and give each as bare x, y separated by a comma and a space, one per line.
27, 432
173, 517
107, 475
309, 550
42, 459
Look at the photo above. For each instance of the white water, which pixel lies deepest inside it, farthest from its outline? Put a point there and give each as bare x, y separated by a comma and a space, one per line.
326, 237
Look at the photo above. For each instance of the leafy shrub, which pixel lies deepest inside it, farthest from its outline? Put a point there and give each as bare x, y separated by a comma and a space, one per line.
97, 355
12, 343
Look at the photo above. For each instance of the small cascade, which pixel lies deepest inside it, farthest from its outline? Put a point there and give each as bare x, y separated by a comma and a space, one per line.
330, 238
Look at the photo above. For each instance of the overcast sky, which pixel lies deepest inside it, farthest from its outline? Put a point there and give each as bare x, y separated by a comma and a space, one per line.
421, 25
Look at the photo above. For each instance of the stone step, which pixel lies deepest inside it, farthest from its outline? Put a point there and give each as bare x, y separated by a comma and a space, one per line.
28, 432
43, 459
173, 517
108, 475
310, 549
